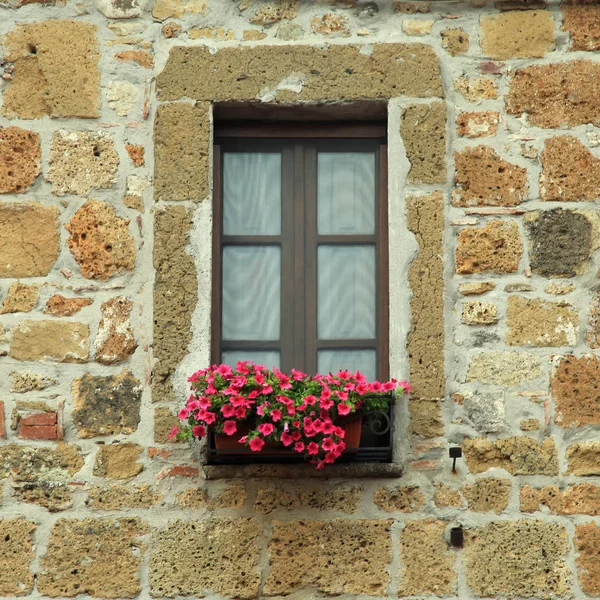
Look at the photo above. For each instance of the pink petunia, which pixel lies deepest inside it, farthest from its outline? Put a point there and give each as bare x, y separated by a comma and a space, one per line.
240, 412
199, 430
389, 386
312, 448
298, 375
328, 444
310, 400
299, 446
342, 395
405, 385
175, 431
243, 439
256, 444
343, 409
266, 428
296, 435
325, 403
184, 413
276, 415
229, 427
267, 389
224, 370
227, 410
286, 439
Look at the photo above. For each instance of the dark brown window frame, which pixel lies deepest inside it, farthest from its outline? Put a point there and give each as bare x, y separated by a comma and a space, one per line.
299, 144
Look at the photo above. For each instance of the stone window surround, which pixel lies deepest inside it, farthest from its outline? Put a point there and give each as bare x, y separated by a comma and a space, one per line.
183, 248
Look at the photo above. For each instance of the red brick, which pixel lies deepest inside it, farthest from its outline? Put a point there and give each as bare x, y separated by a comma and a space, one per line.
183, 471
2, 422
45, 418
41, 432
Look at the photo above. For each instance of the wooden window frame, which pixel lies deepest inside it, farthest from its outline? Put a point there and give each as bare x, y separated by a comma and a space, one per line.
299, 198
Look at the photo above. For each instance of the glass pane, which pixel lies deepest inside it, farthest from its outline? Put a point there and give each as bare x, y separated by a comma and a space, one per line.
346, 192
251, 193
267, 358
251, 293
332, 361
346, 295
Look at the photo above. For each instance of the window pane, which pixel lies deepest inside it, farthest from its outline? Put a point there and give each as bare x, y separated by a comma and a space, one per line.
346, 295
251, 193
251, 293
267, 358
331, 361
346, 192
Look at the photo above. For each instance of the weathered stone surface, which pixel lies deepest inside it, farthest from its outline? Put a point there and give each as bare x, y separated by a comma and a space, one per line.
16, 549
20, 298
427, 561
477, 124
426, 338
399, 499
447, 497
270, 499
535, 322
488, 494
193, 557
122, 9
338, 498
20, 159
175, 296
516, 34
26, 381
81, 554
531, 424
455, 40
592, 336
115, 341
497, 247
524, 558
583, 23
578, 499
504, 368
517, 455
54, 496
119, 497
23, 255
122, 96
81, 161
100, 241
178, 173
60, 306
425, 418
55, 70
479, 313
486, 410
164, 421
134, 195
587, 545
560, 289
557, 94
140, 57
118, 461
484, 178
476, 288
37, 464
231, 497
55, 340
388, 71
583, 458
326, 555
417, 26
290, 32
575, 390
106, 405
476, 89
330, 24
423, 131
136, 154
175, 9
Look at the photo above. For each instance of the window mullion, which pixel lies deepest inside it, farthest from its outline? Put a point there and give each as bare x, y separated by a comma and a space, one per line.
310, 256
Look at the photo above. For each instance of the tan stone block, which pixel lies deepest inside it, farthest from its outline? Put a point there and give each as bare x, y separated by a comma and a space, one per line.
592, 336
106, 405
423, 131
140, 57
212, 33
399, 499
231, 497
497, 247
417, 26
60, 306
411, 8
488, 494
427, 561
175, 296
476, 288
122, 96
100, 241
583, 458
99, 557
504, 368
20, 159
178, 173
477, 124
574, 388
578, 499
479, 313
40, 463
20, 298
175, 9
426, 338
16, 549
587, 545
583, 23
338, 498
476, 89
81, 161
115, 341
119, 497
484, 178
556, 94
273, 12
425, 418
517, 455
518, 34
560, 289
388, 71
253, 35
325, 555
26, 381
164, 421
529, 424
63, 341
268, 500
534, 322
118, 461
330, 23
455, 40
25, 255
216, 555
55, 70
50, 495
447, 497
525, 558
136, 154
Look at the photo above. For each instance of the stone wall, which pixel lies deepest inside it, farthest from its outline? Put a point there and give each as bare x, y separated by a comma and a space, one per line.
106, 121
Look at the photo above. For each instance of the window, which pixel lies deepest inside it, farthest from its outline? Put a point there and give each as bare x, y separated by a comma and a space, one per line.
300, 275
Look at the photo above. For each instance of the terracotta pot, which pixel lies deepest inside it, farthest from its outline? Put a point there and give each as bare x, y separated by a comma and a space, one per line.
228, 444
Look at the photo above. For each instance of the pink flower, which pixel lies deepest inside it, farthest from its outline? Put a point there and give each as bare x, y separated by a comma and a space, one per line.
256, 444
328, 444
389, 386
328, 427
209, 417
286, 439
229, 427
325, 403
296, 435
243, 439
276, 415
184, 413
259, 378
343, 409
298, 375
375, 386
224, 370
405, 385
199, 430
267, 389
330, 457
342, 395
299, 446
312, 448
266, 429
204, 402
310, 400
227, 410
175, 431
240, 412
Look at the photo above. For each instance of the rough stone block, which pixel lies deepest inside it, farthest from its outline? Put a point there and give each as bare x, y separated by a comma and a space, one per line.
427, 563
40, 463
119, 497
331, 24
455, 40
399, 499
20, 298
476, 288
592, 336
583, 458
230, 497
417, 26
165, 9
476, 89
115, 341
99, 557
488, 494
119, 9
118, 461
193, 557
525, 558
497, 247
339, 498
20, 159
164, 421
62, 341
122, 96
136, 154
477, 124
479, 313
16, 549
587, 545
486, 410
425, 418
504, 368
139, 57
336, 557
578, 499
53, 496
583, 23
60, 306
